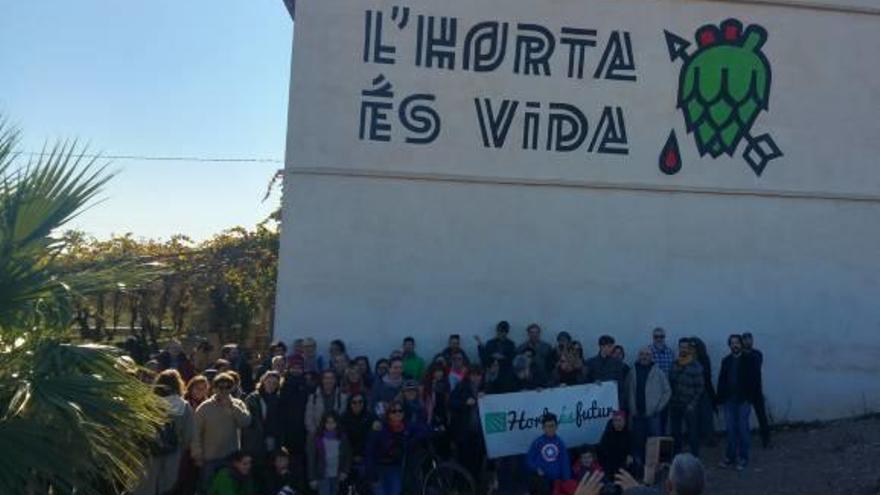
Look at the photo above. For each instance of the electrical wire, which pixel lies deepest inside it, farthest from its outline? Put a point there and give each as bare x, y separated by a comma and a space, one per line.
156, 158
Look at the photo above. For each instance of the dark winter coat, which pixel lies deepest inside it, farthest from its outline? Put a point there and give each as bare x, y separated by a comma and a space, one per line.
613, 449
294, 395
504, 347
506, 382
749, 379
604, 369
266, 423
357, 428
388, 448
464, 419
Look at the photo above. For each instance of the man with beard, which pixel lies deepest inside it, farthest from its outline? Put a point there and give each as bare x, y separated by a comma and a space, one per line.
737, 388
501, 344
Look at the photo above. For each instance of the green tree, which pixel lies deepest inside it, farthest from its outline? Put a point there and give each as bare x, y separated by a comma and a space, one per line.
224, 286
72, 417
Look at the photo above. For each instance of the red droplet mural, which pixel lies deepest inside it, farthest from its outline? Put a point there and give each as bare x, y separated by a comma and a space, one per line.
670, 156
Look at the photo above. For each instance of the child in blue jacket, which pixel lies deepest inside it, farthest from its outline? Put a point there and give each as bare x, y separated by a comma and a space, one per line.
547, 458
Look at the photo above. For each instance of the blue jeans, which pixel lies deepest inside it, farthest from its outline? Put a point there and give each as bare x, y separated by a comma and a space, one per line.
690, 418
642, 428
736, 420
390, 481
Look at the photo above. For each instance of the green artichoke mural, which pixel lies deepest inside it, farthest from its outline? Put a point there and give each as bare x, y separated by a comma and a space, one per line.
723, 87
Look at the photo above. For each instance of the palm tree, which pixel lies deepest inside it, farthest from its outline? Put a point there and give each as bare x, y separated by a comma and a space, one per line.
73, 418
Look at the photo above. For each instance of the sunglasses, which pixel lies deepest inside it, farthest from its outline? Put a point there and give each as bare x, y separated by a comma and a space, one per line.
659, 337
224, 387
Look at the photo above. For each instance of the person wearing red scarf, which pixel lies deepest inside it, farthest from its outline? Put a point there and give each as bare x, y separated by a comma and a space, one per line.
386, 452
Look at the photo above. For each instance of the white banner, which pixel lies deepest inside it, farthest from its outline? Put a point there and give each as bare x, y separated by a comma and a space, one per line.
511, 422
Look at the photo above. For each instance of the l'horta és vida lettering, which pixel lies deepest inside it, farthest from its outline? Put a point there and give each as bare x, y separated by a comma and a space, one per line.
521, 49
520, 420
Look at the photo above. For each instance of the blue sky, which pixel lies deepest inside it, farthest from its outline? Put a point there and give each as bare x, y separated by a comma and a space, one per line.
163, 77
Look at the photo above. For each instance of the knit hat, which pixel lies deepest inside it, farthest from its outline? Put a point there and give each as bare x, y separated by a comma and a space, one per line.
520, 362
619, 414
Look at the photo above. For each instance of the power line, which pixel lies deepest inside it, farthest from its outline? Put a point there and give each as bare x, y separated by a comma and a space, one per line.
153, 158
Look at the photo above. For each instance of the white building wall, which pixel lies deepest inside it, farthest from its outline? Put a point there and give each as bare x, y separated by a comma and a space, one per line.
382, 242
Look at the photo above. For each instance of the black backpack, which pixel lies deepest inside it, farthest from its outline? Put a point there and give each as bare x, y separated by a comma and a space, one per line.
167, 439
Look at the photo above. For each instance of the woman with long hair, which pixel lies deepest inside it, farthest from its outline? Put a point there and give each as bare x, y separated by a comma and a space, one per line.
353, 381
326, 398
198, 389
387, 450
707, 407
163, 467
435, 396
263, 435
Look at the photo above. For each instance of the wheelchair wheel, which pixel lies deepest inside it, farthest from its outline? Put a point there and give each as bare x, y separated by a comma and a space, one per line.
449, 478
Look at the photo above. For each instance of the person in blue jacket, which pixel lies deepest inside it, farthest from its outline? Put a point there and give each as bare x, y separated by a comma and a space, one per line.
547, 458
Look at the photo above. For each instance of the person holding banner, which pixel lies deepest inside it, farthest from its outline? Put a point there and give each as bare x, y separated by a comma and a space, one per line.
465, 424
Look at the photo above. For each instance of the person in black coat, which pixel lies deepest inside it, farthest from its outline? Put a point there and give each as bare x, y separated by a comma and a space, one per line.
500, 377
264, 433
615, 448
738, 387
357, 422
465, 425
501, 344
708, 409
238, 363
295, 393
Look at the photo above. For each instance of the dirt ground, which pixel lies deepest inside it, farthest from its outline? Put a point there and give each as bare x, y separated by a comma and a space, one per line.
838, 458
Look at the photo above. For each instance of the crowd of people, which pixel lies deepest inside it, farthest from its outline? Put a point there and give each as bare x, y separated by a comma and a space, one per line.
304, 422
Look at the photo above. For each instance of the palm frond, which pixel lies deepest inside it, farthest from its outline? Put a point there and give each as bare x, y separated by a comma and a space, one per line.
36, 200
73, 399
72, 418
